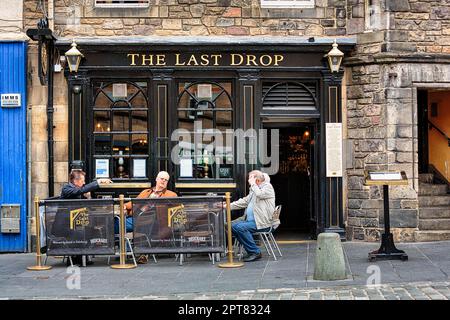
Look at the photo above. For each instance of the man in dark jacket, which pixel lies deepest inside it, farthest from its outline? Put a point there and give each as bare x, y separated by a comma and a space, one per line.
76, 189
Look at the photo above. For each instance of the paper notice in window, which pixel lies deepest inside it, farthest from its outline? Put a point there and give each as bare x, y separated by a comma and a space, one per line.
139, 168
186, 168
101, 168
334, 149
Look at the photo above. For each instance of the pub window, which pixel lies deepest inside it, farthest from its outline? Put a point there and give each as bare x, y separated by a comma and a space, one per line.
122, 3
287, 3
205, 113
120, 130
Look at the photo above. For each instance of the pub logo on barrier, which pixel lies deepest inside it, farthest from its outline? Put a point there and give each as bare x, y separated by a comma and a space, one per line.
79, 218
176, 216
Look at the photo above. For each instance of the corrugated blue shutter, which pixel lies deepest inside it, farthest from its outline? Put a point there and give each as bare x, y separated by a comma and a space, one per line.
13, 169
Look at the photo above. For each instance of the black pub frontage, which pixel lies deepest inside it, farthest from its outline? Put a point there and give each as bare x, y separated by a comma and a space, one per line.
134, 103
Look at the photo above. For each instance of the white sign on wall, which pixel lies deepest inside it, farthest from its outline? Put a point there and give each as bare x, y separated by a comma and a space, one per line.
334, 149
11, 100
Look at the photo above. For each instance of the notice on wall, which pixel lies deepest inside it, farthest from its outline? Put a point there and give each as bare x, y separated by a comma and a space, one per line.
101, 168
334, 149
11, 100
139, 168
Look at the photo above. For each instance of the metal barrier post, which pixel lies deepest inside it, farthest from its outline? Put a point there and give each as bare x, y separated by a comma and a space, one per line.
122, 232
38, 266
230, 263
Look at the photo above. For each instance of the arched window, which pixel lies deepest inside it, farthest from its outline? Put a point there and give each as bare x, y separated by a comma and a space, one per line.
120, 130
205, 110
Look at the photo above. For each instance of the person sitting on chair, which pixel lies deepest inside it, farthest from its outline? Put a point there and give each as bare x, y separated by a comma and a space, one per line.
75, 189
159, 190
259, 205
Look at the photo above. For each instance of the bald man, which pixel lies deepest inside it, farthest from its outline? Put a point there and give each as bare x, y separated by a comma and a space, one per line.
159, 190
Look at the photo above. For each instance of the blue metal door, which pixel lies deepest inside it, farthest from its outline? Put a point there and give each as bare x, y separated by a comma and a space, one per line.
13, 173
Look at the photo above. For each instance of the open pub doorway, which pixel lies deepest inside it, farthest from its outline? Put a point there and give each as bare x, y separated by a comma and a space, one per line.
294, 180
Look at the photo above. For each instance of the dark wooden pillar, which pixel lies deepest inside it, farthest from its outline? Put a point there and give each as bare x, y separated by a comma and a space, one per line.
78, 90
245, 113
162, 114
330, 187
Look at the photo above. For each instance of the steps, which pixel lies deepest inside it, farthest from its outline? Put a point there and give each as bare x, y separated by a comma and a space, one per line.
434, 210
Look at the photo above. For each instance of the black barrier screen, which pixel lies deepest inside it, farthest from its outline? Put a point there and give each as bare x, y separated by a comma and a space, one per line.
78, 227
178, 225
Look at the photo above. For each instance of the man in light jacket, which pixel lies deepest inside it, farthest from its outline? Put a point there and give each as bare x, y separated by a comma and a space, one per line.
259, 205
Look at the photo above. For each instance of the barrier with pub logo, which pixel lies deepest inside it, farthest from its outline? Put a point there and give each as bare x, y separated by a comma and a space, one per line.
79, 227
178, 225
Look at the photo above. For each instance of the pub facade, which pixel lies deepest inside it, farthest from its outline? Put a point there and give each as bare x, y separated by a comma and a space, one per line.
211, 90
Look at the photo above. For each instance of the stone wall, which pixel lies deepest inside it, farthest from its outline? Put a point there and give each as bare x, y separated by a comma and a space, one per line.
11, 21
197, 17
382, 124
404, 26
381, 108
37, 105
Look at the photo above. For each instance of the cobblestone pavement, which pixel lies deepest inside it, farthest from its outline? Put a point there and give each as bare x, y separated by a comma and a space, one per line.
424, 276
409, 291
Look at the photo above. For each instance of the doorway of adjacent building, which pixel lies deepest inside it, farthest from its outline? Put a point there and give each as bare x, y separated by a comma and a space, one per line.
434, 133
293, 183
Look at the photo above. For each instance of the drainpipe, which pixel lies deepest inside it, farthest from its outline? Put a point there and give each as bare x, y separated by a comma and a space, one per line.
29, 197
50, 111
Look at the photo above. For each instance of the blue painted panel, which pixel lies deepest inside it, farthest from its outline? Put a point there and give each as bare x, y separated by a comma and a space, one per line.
13, 173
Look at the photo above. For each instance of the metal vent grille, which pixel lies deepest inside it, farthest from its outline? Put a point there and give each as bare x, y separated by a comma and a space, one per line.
122, 3
290, 95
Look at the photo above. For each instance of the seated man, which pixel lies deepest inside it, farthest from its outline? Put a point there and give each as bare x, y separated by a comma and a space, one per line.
259, 205
75, 189
159, 190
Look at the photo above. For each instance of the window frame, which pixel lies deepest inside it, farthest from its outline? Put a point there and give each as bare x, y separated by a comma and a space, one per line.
195, 81
146, 91
112, 4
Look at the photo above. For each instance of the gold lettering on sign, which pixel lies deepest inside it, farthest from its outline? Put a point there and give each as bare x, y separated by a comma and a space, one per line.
216, 58
133, 55
149, 59
278, 59
251, 58
234, 56
177, 60
269, 60
193, 60
161, 60
205, 60
236, 59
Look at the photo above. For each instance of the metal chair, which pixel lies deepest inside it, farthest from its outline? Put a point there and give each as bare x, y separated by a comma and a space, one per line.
190, 229
128, 241
267, 237
140, 232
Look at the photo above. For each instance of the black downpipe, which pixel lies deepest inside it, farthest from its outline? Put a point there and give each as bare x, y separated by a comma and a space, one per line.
50, 111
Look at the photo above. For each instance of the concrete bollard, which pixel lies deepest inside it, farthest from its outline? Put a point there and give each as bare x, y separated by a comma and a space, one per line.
329, 264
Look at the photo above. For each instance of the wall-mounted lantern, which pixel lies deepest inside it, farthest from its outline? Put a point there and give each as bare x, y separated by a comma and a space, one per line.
73, 57
335, 57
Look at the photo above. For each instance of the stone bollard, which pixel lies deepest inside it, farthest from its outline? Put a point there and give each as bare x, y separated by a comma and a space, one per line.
329, 264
